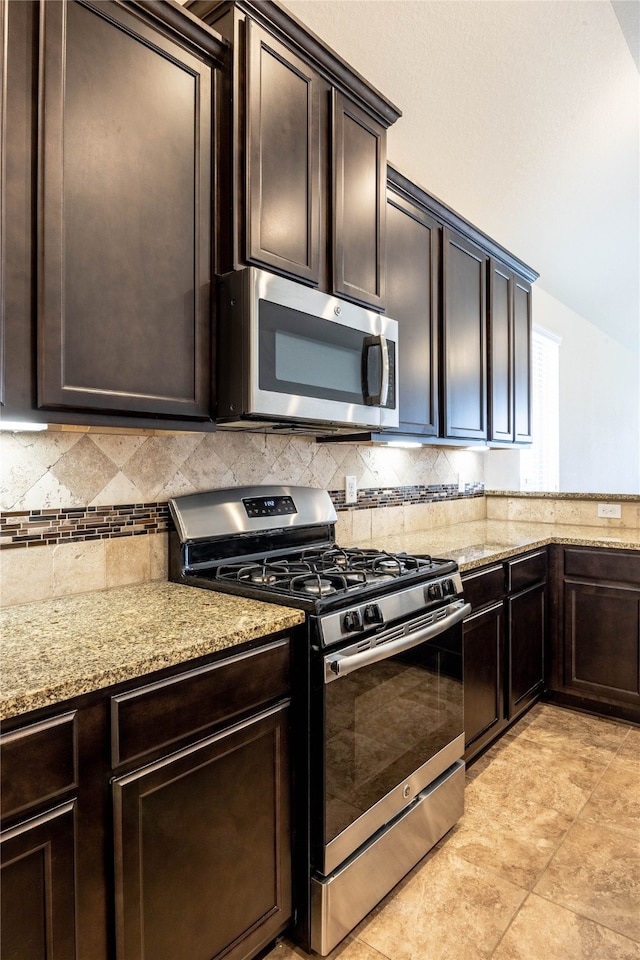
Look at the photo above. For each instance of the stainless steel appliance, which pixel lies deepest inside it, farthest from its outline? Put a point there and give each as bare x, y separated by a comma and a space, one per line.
380, 776
292, 356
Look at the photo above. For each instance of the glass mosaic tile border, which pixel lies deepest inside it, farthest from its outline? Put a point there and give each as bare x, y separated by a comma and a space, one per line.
49, 527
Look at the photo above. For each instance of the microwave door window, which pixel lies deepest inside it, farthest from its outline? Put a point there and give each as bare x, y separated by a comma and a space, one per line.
308, 356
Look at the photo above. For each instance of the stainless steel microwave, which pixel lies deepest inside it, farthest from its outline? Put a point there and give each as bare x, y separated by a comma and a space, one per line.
292, 355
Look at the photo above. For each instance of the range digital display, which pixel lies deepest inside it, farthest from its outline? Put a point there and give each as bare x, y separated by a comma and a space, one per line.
269, 506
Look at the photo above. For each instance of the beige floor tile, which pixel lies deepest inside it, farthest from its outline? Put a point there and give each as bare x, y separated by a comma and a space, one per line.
508, 835
448, 909
545, 931
596, 873
349, 949
615, 802
568, 731
561, 780
630, 747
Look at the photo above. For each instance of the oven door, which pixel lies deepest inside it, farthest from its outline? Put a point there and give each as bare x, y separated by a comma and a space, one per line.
392, 723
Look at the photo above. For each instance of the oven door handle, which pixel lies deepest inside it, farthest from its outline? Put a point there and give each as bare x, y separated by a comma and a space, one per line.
338, 665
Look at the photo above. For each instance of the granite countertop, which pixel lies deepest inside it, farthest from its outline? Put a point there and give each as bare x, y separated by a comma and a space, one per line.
53, 650
480, 542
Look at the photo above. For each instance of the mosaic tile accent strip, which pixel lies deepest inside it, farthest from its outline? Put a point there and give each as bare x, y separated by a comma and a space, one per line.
395, 496
31, 528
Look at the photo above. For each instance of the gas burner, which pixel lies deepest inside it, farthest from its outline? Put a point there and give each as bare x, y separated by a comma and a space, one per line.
316, 586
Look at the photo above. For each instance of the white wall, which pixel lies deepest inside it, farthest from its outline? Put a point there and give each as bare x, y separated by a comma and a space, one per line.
599, 403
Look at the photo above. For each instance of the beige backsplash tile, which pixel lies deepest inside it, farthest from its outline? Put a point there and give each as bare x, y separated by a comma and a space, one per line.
127, 561
78, 567
26, 574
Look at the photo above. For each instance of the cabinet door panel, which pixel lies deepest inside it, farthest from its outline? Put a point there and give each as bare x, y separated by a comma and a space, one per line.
465, 339
483, 677
602, 641
213, 818
501, 353
412, 272
527, 620
522, 328
125, 216
283, 199
359, 177
37, 888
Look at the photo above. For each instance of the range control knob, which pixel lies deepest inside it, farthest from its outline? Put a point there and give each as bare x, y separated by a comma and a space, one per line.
373, 613
352, 620
434, 591
448, 588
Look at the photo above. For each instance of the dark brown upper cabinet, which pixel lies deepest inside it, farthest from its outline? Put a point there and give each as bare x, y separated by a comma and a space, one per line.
283, 158
522, 360
509, 306
358, 203
125, 214
413, 258
302, 156
108, 128
464, 338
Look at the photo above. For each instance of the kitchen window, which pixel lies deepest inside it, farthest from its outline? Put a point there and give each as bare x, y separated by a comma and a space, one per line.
540, 463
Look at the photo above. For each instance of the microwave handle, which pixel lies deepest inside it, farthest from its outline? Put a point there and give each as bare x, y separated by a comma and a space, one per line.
376, 399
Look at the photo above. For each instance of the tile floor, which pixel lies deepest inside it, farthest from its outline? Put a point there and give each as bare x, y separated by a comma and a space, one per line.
544, 865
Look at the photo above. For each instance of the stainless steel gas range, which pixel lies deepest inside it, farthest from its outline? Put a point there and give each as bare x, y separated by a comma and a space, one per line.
380, 776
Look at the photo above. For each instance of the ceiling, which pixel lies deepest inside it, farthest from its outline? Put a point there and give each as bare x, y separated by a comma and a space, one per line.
523, 116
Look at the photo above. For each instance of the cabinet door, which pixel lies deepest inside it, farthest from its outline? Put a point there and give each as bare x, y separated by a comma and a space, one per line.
464, 344
124, 215
412, 297
501, 392
203, 858
283, 158
522, 371
358, 199
37, 888
602, 641
483, 677
527, 632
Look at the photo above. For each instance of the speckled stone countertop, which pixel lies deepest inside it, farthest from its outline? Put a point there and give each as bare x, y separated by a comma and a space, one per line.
54, 650
556, 495
480, 542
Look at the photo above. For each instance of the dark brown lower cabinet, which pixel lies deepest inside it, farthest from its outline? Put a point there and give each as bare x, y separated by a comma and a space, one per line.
483, 677
504, 645
597, 661
152, 819
202, 846
37, 887
526, 632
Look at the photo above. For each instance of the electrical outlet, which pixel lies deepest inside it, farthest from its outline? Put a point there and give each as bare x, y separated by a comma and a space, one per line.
351, 489
612, 510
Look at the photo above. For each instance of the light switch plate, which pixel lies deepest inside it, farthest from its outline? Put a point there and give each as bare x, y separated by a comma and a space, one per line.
611, 510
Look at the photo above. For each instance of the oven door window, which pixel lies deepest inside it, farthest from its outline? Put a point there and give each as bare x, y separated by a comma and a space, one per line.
308, 356
384, 721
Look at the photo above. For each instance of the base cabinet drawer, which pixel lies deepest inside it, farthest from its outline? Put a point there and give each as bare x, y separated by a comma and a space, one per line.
202, 848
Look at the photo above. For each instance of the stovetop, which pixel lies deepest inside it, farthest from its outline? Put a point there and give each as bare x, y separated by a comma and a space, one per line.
278, 544
324, 578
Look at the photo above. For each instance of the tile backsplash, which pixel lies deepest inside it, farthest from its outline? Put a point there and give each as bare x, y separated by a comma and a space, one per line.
89, 509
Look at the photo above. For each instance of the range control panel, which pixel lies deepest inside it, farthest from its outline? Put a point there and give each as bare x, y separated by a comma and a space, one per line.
387, 609
269, 506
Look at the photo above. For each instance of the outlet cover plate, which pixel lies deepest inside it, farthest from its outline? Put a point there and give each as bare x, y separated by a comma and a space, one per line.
611, 510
